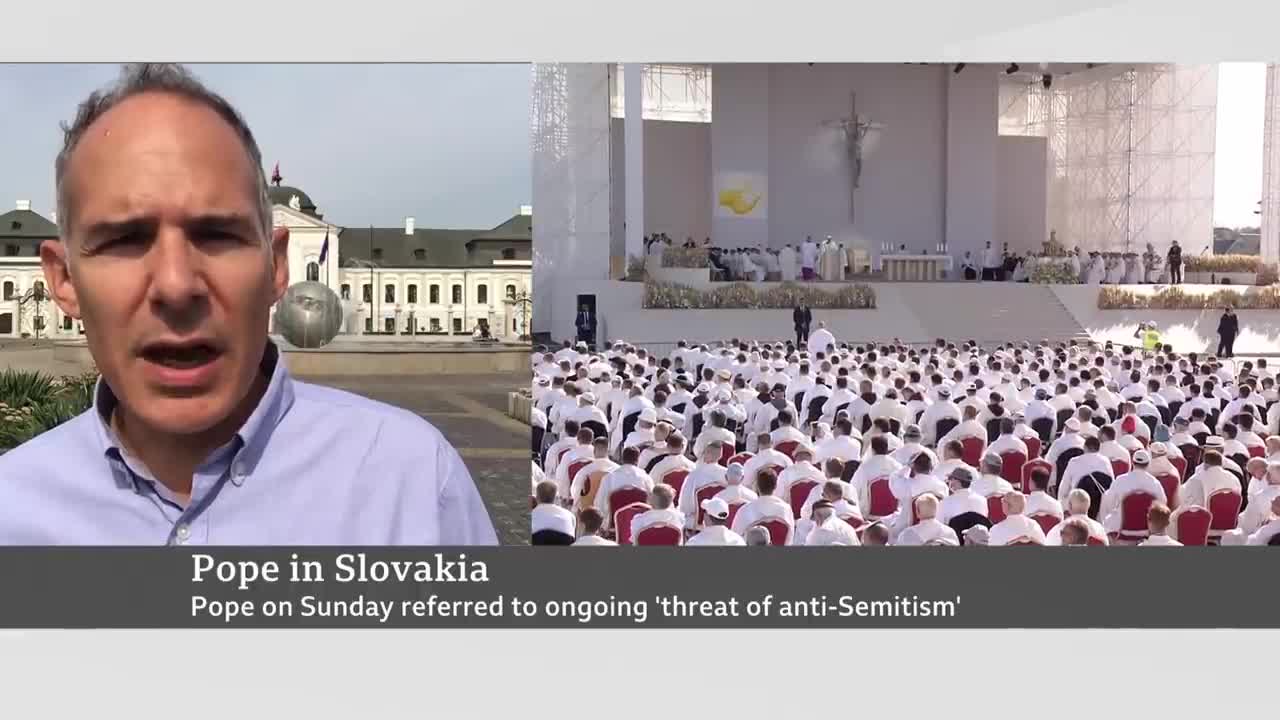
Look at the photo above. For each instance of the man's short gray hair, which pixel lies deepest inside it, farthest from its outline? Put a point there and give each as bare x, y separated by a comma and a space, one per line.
143, 78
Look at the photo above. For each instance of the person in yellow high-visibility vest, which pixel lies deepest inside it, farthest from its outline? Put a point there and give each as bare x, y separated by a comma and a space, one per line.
1149, 335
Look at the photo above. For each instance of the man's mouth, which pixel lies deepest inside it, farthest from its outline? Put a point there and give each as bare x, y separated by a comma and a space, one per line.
181, 356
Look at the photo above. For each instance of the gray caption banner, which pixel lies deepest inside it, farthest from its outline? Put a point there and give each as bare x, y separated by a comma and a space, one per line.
639, 587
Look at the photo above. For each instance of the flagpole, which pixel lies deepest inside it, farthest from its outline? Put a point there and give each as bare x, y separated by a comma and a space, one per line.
373, 283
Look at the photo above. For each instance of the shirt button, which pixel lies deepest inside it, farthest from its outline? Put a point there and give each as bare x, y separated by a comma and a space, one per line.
184, 533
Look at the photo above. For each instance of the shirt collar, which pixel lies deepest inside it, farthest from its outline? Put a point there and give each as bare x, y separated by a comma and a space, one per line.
252, 436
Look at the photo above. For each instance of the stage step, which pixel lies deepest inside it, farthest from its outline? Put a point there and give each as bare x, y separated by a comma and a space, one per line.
987, 312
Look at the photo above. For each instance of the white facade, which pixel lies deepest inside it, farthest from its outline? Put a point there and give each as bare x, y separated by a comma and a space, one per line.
421, 305
18, 276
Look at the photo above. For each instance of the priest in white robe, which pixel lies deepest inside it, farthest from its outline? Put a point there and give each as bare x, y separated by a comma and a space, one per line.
787, 262
829, 262
808, 259
820, 339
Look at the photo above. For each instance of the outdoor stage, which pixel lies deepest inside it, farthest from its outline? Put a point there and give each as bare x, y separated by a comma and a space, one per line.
922, 312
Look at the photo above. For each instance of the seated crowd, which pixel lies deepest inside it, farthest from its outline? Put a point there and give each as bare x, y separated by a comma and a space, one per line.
755, 443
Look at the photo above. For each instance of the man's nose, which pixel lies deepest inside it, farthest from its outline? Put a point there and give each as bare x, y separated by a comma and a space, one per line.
176, 270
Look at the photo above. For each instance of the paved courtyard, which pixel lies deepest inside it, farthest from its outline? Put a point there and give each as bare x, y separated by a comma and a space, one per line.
471, 412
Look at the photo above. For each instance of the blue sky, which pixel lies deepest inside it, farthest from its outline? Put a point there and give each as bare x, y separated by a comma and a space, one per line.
371, 144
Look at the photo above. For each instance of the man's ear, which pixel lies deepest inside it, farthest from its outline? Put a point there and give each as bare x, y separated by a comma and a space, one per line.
57, 277
279, 262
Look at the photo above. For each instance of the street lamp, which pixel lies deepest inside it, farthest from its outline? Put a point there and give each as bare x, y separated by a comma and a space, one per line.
36, 294
523, 302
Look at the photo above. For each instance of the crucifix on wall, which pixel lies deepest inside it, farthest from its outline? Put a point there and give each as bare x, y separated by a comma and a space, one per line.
855, 129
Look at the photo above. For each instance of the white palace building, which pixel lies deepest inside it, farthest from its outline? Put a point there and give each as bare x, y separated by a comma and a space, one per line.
405, 283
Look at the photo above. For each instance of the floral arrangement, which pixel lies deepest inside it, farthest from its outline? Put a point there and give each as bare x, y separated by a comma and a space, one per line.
671, 296
1175, 298
1222, 263
32, 403
1054, 273
1052, 248
682, 257
636, 268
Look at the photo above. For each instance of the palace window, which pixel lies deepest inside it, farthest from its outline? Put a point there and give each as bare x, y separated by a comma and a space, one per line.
457, 294
508, 254
313, 272
368, 324
8, 289
457, 326
389, 324
389, 293
435, 294
511, 292
482, 294
346, 291
368, 293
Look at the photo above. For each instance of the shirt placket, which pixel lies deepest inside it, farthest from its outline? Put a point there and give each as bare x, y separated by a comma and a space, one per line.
193, 526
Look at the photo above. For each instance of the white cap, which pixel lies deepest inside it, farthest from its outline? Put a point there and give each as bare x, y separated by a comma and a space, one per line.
1214, 441
1073, 423
1142, 457
648, 415
724, 375
589, 397
716, 508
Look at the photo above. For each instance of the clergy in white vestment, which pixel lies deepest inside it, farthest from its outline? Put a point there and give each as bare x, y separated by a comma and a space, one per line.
1077, 510
581, 450
942, 409
828, 528
736, 493
1137, 480
1096, 272
1082, 467
841, 446
831, 267
708, 472
928, 530
1210, 478
969, 428
911, 447
765, 456
910, 483
626, 475
1158, 527
766, 507
1076, 270
601, 465
1040, 502
1258, 511
715, 531
820, 339
1008, 441
877, 465
1267, 534
788, 263
549, 515
802, 470
661, 499
715, 433
962, 499
808, 259
1016, 528
591, 522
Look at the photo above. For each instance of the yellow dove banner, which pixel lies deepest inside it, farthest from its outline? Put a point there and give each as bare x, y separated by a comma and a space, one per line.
740, 197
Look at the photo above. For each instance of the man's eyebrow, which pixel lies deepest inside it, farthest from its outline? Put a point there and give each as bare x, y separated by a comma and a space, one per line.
219, 221
110, 228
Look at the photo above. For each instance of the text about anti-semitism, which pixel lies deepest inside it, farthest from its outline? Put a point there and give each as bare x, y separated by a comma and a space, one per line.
355, 589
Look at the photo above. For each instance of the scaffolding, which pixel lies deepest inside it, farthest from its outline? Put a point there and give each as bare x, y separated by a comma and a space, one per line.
1131, 153
569, 128
675, 92
1270, 241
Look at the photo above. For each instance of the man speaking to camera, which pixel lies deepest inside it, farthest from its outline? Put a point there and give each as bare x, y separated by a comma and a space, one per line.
198, 434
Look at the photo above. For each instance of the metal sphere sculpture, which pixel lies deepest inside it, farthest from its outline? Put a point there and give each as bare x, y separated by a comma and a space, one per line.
309, 315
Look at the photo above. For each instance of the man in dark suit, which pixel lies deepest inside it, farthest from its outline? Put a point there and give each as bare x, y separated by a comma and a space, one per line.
586, 324
802, 318
1228, 329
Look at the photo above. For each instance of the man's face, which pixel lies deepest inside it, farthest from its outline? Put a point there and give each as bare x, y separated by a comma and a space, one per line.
165, 261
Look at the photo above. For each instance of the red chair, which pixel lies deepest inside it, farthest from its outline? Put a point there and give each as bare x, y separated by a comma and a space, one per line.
1181, 464
1046, 521
1030, 467
1257, 451
733, 511
1096, 542
1033, 447
971, 450
623, 497
726, 452
675, 479
1011, 467
1191, 454
778, 530
622, 521
561, 453
1191, 526
1170, 484
1133, 515
883, 502
1224, 506
660, 535
706, 492
995, 509
788, 448
741, 458
1118, 468
798, 493
855, 521
575, 466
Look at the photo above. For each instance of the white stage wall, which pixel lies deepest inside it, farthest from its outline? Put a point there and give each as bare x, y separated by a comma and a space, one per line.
939, 133
740, 96
677, 178
1021, 193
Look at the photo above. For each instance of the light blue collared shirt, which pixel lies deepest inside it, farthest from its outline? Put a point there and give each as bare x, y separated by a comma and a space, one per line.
311, 466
